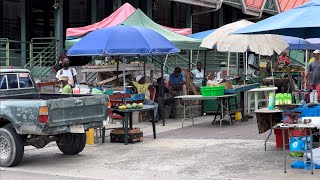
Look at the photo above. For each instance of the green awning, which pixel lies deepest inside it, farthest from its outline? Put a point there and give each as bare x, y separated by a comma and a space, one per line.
138, 18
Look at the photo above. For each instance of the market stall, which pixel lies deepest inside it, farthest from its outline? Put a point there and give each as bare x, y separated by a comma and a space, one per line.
296, 26
126, 41
260, 44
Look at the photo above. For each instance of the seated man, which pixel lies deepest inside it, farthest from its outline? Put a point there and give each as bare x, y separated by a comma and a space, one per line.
197, 76
177, 82
141, 87
167, 101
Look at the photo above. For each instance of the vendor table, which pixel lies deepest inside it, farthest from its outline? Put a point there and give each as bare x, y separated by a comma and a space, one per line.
296, 126
128, 112
269, 112
220, 100
256, 91
242, 89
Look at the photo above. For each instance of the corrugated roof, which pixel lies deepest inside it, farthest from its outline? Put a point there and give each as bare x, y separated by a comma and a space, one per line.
289, 4
284, 4
254, 3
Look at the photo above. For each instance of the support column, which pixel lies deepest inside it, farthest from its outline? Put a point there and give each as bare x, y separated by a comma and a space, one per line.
149, 8
58, 16
189, 16
93, 11
23, 32
221, 18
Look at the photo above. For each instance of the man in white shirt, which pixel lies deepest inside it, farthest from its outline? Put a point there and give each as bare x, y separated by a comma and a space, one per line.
252, 63
66, 70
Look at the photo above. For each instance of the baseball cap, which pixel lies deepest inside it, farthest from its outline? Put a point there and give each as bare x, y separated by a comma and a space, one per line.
139, 77
316, 51
63, 77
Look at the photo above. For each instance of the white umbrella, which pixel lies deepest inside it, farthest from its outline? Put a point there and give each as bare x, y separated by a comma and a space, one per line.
263, 44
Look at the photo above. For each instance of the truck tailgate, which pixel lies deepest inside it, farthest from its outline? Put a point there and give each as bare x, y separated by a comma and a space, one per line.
76, 110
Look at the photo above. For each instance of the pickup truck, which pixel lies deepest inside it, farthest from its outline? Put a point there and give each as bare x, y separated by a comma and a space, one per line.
28, 117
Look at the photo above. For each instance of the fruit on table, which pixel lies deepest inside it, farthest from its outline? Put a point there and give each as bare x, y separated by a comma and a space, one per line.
134, 105
128, 106
140, 105
122, 107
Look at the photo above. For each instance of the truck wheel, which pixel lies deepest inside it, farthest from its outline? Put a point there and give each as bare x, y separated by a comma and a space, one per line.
11, 147
71, 144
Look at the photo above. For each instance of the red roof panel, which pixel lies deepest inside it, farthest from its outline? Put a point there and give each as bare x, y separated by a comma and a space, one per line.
284, 4
289, 4
254, 3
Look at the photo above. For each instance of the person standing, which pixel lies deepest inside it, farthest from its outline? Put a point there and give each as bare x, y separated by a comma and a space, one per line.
314, 73
67, 70
197, 75
253, 70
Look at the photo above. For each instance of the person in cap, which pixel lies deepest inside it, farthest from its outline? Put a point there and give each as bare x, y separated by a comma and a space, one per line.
66, 87
313, 55
283, 60
142, 87
313, 73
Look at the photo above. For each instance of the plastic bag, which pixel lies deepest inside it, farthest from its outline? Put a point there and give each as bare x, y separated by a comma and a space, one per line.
316, 155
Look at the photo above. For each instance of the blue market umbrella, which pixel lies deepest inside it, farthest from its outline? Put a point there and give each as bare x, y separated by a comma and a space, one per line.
122, 40
202, 35
302, 21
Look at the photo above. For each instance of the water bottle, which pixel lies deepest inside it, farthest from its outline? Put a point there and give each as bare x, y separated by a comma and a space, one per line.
289, 99
312, 97
271, 101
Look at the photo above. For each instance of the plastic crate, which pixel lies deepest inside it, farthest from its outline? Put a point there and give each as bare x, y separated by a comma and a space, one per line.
279, 141
299, 132
205, 91
136, 97
212, 90
309, 111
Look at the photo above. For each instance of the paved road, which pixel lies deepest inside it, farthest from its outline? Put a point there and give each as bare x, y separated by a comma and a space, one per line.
200, 152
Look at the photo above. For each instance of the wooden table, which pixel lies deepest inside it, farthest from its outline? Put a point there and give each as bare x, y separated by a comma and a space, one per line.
271, 112
128, 113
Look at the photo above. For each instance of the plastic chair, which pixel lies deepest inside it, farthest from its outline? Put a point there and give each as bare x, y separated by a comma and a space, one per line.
152, 91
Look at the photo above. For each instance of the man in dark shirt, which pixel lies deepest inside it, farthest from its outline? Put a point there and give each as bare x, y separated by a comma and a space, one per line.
177, 82
170, 101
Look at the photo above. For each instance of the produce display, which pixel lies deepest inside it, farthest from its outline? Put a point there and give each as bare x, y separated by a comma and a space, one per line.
294, 68
131, 106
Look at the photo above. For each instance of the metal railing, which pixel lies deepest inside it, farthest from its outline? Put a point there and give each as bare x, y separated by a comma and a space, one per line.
43, 53
12, 53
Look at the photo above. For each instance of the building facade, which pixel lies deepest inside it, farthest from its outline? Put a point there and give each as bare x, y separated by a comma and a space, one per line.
23, 20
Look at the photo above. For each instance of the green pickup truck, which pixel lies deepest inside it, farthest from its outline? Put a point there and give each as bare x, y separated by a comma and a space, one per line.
28, 117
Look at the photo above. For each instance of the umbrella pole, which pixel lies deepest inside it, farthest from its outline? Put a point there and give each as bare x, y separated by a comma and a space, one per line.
124, 74
162, 90
144, 66
204, 78
228, 68
246, 66
272, 70
198, 56
117, 82
305, 69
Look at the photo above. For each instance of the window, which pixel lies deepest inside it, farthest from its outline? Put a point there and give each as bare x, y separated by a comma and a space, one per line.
25, 80
3, 81
15, 81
